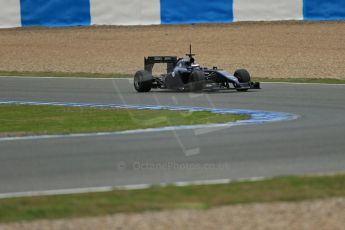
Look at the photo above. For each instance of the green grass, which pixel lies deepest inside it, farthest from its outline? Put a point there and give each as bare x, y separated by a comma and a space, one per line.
39, 119
119, 75
289, 189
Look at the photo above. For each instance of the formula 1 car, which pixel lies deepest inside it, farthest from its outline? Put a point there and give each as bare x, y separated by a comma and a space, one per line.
184, 74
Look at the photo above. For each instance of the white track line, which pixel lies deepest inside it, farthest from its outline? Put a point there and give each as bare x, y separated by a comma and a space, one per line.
124, 187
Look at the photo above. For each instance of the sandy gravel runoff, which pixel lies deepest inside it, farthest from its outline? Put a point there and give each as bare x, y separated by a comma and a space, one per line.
319, 214
280, 49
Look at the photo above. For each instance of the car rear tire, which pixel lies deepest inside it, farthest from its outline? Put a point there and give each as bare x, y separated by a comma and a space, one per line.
143, 81
197, 80
242, 75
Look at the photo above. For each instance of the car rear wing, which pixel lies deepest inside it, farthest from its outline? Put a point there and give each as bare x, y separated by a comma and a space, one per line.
150, 61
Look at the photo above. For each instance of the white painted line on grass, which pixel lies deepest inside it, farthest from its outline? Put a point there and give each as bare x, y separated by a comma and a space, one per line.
125, 187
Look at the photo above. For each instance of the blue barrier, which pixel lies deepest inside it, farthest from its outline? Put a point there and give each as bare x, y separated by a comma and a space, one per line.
324, 9
56, 13
202, 11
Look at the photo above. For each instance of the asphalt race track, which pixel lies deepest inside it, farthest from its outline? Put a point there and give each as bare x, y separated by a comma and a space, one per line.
313, 143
